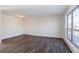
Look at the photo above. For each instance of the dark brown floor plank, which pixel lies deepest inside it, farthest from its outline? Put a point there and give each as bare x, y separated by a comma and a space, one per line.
33, 44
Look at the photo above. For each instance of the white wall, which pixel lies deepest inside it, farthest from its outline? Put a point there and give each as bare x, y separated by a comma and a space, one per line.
0, 25
40, 26
11, 26
44, 26
71, 46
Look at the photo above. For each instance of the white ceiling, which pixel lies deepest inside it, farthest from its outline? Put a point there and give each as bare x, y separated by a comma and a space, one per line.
34, 10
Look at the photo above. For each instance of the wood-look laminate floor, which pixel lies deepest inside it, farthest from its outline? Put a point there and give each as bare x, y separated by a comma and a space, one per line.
33, 44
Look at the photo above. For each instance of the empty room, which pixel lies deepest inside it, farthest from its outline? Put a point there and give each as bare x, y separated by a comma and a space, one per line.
39, 29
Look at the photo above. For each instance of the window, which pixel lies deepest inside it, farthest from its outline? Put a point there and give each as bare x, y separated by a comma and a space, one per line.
69, 26
76, 26
73, 26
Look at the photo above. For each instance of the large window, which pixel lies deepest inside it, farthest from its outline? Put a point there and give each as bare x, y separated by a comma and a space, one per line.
73, 26
69, 28
76, 26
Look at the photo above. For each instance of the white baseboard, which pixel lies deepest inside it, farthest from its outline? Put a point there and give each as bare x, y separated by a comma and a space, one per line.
43, 35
